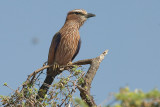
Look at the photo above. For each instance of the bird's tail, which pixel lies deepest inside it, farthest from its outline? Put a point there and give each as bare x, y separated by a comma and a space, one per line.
45, 86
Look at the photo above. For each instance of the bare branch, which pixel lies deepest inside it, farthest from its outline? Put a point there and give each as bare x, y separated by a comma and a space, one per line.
94, 65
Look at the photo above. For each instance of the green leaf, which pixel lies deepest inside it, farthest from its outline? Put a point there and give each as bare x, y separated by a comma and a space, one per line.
5, 84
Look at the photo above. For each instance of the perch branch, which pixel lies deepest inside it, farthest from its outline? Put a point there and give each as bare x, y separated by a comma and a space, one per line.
62, 68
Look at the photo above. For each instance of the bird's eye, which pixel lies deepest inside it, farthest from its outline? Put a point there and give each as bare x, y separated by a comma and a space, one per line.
76, 13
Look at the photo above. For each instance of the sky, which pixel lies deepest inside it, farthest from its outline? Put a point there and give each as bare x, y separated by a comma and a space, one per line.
130, 29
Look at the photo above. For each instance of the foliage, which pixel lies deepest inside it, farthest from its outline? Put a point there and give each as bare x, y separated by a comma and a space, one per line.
136, 98
60, 93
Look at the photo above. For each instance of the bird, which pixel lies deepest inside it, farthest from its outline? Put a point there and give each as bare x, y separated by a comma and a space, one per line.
65, 46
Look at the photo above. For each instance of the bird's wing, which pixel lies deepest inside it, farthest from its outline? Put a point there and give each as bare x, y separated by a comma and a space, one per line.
53, 48
78, 48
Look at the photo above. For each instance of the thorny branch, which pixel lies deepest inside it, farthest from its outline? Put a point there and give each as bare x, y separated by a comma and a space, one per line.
85, 87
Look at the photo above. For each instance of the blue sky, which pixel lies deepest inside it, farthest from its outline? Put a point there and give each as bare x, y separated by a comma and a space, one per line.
130, 29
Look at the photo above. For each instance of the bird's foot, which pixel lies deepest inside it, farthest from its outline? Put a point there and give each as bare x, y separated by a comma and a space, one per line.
69, 63
56, 66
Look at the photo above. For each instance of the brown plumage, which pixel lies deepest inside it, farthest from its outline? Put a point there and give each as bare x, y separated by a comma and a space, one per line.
65, 45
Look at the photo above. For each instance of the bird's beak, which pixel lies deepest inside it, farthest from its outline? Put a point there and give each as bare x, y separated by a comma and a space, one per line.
90, 15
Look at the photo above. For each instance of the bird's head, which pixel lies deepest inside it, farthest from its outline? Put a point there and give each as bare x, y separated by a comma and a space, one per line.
79, 15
